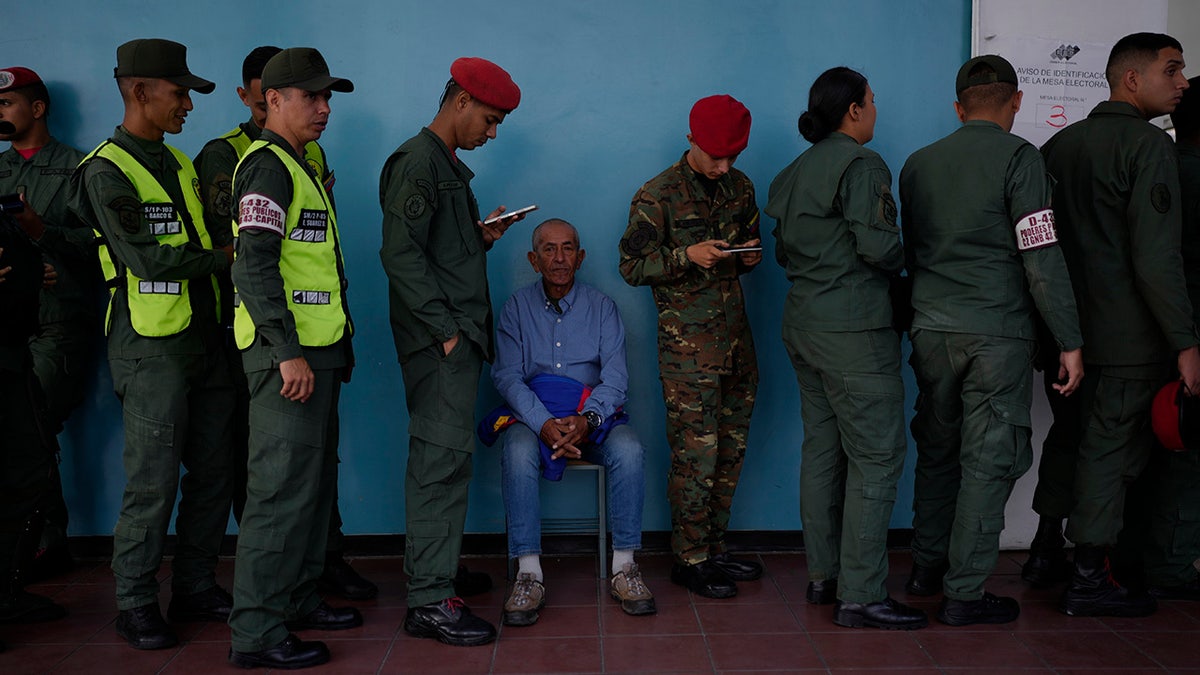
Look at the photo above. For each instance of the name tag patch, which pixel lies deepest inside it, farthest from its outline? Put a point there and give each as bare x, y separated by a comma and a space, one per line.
1036, 230
161, 219
258, 212
311, 228
159, 287
310, 297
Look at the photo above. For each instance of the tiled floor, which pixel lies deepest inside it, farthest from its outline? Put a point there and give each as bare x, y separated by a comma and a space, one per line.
766, 628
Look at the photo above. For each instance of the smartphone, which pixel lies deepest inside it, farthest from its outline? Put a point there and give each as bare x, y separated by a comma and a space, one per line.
12, 204
743, 249
509, 214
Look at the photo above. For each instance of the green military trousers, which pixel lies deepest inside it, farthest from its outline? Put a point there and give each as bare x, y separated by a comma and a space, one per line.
708, 420
1172, 557
241, 451
1114, 447
176, 410
973, 436
291, 474
440, 390
62, 360
1054, 496
852, 405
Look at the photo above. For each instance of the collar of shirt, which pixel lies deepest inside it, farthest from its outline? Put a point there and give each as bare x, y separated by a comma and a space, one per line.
272, 137
1115, 108
563, 304
725, 183
252, 130
154, 152
40, 158
452, 159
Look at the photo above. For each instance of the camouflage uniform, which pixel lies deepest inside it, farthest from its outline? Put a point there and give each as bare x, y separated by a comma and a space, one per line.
709, 373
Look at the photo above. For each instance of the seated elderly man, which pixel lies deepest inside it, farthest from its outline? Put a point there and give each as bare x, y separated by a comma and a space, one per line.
560, 366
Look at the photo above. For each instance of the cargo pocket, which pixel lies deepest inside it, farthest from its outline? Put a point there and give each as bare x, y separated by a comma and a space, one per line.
1187, 530
877, 503
1005, 451
986, 553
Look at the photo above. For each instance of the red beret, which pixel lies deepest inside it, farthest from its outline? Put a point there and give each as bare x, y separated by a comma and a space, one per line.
17, 77
487, 82
720, 125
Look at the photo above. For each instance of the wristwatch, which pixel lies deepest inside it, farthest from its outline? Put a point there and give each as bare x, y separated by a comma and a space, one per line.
593, 420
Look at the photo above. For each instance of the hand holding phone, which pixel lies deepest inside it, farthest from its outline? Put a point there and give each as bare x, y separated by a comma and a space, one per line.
511, 214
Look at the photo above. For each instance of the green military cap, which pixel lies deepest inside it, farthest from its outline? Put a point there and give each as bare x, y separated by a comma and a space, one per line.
303, 68
1001, 71
161, 59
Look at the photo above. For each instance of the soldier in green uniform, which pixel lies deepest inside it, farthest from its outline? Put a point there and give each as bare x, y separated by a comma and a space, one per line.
1171, 555
214, 166
164, 345
39, 168
984, 257
26, 445
434, 253
293, 326
680, 222
1117, 204
838, 240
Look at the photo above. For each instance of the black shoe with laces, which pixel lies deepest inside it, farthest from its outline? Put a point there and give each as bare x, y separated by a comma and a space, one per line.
339, 578
143, 628
291, 654
886, 614
704, 579
988, 609
324, 617
449, 622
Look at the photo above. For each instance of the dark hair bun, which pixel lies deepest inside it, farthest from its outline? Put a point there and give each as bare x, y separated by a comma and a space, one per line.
811, 128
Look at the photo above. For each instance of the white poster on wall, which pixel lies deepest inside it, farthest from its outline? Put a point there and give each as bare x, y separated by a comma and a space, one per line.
1063, 79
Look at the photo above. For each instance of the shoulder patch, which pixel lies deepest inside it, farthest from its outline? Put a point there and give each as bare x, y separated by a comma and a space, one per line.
414, 206
1160, 197
223, 201
888, 207
1036, 230
129, 211
643, 237
426, 189
259, 212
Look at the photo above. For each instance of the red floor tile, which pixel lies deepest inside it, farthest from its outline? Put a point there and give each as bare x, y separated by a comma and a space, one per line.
1085, 650
965, 648
747, 619
869, 648
749, 652
656, 654
768, 627
548, 655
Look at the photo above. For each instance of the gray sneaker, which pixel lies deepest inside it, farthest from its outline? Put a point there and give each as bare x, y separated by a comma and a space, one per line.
528, 595
628, 588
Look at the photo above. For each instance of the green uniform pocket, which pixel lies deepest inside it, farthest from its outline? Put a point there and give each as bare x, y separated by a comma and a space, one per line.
1006, 452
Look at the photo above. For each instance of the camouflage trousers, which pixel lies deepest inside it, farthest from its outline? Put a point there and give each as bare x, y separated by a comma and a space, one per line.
708, 420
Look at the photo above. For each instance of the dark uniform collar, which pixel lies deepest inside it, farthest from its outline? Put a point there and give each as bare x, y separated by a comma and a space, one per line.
252, 130
154, 152
447, 155
724, 183
274, 138
985, 124
41, 159
1115, 108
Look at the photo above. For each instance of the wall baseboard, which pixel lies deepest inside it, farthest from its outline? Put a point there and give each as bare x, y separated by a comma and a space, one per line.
492, 544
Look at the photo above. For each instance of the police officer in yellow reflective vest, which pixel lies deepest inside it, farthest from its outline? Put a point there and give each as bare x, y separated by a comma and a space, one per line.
215, 165
293, 326
163, 345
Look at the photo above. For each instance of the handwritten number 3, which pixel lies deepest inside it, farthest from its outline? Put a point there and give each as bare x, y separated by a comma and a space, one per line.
1057, 119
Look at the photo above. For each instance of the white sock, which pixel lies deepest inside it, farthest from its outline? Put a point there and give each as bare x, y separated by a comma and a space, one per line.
620, 559
531, 564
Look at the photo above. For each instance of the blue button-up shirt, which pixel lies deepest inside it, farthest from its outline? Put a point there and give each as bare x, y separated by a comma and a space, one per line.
586, 342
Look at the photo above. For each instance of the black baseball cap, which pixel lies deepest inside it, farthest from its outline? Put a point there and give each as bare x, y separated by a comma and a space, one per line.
303, 68
1002, 71
164, 59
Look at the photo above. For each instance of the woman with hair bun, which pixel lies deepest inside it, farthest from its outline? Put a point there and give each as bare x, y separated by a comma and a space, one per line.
838, 241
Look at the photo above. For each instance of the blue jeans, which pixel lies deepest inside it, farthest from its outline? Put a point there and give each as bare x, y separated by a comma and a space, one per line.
622, 457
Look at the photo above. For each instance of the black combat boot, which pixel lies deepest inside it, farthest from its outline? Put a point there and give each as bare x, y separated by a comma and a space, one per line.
1093, 592
1047, 564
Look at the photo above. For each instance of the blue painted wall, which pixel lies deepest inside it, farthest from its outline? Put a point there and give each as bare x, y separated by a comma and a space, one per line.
606, 92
